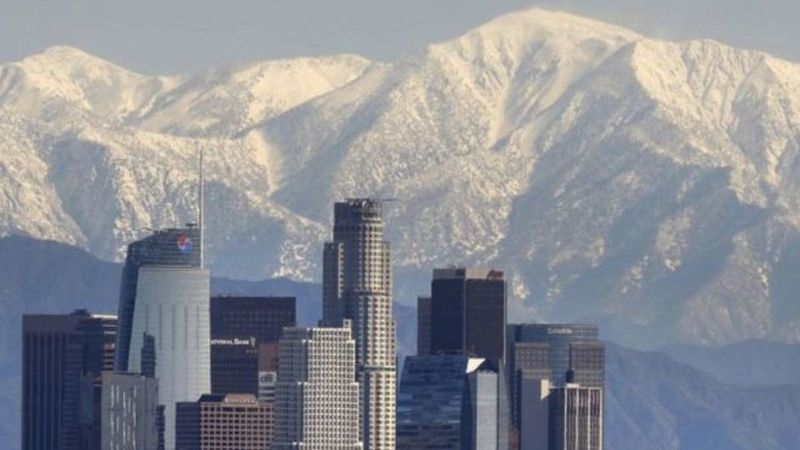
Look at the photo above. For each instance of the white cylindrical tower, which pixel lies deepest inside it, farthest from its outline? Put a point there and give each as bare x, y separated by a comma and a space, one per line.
172, 306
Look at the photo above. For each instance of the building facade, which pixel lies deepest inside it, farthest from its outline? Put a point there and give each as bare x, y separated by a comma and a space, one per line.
59, 353
263, 318
572, 348
224, 422
234, 365
172, 306
170, 247
357, 285
128, 412
452, 402
468, 312
423, 325
241, 327
569, 417
543, 360
268, 363
317, 405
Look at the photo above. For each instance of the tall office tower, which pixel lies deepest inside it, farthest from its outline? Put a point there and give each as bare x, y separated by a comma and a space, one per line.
318, 395
572, 348
452, 402
58, 353
357, 285
240, 328
172, 305
558, 353
468, 312
234, 365
423, 326
178, 247
569, 417
217, 422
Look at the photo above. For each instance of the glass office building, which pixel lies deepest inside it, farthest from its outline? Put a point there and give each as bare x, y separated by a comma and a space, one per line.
451, 402
170, 247
467, 313
570, 360
172, 306
59, 353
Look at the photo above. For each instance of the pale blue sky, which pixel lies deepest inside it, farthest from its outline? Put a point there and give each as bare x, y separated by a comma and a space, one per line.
176, 36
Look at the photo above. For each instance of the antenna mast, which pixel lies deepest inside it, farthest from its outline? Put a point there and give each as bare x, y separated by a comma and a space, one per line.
201, 218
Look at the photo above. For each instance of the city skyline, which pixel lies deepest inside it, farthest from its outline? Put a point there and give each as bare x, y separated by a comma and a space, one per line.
593, 204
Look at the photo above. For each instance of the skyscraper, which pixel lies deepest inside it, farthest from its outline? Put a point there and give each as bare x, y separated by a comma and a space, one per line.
216, 422
59, 352
318, 395
357, 285
241, 327
234, 365
569, 417
555, 356
178, 247
263, 318
468, 312
452, 402
172, 306
572, 350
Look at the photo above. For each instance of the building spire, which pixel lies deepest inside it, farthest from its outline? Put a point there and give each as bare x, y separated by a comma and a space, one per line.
201, 216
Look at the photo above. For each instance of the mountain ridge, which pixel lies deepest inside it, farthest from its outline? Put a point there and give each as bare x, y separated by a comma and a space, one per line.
646, 184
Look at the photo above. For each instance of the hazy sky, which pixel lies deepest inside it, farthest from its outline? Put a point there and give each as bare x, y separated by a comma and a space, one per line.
177, 36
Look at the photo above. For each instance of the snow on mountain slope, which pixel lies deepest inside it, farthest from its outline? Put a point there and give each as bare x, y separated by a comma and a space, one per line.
650, 185
226, 101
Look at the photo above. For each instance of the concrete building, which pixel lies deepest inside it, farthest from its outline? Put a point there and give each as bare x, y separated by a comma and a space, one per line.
569, 417
60, 352
224, 422
357, 285
172, 305
318, 395
452, 402
468, 312
128, 412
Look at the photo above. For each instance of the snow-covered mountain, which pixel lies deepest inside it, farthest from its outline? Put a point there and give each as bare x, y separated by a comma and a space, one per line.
653, 186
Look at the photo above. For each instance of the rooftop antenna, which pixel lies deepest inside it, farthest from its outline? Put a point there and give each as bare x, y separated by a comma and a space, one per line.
201, 217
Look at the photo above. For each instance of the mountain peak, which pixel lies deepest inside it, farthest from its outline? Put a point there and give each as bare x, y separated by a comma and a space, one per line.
67, 56
541, 22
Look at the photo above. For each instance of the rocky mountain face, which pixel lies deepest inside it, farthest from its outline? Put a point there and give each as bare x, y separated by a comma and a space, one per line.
651, 186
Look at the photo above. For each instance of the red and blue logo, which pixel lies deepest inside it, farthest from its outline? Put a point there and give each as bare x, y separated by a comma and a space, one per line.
184, 244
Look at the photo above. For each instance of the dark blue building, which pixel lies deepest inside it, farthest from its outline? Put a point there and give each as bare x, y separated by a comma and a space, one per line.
452, 402
466, 313
60, 352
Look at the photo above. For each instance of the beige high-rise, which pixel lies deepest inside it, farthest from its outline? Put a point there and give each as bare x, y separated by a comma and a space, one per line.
317, 404
357, 285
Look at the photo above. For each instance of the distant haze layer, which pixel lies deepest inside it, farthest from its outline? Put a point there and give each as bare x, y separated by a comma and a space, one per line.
180, 36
